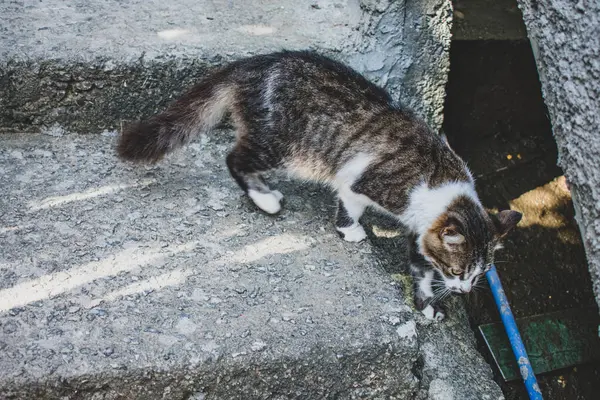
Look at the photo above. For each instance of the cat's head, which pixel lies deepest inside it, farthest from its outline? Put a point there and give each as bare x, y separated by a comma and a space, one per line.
461, 243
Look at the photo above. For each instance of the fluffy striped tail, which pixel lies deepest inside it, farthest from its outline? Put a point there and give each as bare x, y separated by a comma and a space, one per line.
197, 111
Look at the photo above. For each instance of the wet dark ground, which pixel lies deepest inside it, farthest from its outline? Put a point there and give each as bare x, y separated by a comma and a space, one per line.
495, 118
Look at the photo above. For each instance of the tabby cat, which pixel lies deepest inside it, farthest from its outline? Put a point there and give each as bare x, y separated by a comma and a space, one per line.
322, 121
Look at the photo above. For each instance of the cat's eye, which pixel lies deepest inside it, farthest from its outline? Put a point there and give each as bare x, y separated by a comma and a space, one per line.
455, 271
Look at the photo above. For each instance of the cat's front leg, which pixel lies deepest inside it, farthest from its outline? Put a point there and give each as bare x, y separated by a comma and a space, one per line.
349, 211
424, 296
423, 278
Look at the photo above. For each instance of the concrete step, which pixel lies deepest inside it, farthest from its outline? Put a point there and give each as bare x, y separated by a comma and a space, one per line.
165, 282
87, 67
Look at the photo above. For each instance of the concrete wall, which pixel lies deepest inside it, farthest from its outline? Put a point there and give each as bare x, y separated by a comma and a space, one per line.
404, 46
566, 41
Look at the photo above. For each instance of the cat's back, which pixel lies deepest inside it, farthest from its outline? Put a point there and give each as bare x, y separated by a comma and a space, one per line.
309, 76
323, 71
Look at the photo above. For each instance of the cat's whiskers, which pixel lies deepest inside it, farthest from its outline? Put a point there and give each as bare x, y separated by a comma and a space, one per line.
447, 293
436, 293
438, 282
441, 294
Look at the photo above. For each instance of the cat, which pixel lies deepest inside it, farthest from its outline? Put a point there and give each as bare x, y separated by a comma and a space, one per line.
322, 121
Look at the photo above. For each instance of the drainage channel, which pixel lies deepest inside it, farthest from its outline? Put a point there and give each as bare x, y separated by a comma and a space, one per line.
496, 119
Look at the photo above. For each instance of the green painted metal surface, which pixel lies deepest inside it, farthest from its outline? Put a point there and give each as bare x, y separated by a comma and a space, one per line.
553, 341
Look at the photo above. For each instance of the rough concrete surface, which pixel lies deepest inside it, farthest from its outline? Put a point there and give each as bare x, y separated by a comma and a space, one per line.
165, 282
90, 66
565, 38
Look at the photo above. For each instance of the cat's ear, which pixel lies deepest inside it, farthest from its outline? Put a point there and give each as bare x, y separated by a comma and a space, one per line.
450, 236
507, 220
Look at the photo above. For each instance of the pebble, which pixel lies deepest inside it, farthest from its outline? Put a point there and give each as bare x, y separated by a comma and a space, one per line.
288, 317
240, 290
100, 312
67, 349
10, 327
185, 326
258, 346
408, 330
108, 351
15, 311
216, 205
74, 309
17, 154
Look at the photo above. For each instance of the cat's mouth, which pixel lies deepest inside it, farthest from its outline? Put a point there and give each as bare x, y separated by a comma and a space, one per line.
459, 286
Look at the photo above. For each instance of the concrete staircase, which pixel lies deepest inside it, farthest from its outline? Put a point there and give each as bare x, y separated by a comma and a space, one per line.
165, 282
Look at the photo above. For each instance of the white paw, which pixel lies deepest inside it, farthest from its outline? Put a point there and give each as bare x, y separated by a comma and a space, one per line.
268, 202
354, 233
430, 313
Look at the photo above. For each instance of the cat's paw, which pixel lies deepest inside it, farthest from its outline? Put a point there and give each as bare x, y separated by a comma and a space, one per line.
434, 314
268, 202
355, 233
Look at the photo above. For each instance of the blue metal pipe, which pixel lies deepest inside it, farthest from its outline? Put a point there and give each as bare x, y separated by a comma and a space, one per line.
533, 389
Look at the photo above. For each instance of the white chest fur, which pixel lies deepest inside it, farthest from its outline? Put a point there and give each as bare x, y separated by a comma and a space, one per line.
425, 204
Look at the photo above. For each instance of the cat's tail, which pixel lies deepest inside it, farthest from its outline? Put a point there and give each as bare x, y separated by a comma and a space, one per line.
197, 111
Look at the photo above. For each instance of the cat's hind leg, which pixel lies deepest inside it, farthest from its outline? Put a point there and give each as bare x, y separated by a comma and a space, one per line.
349, 210
245, 167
